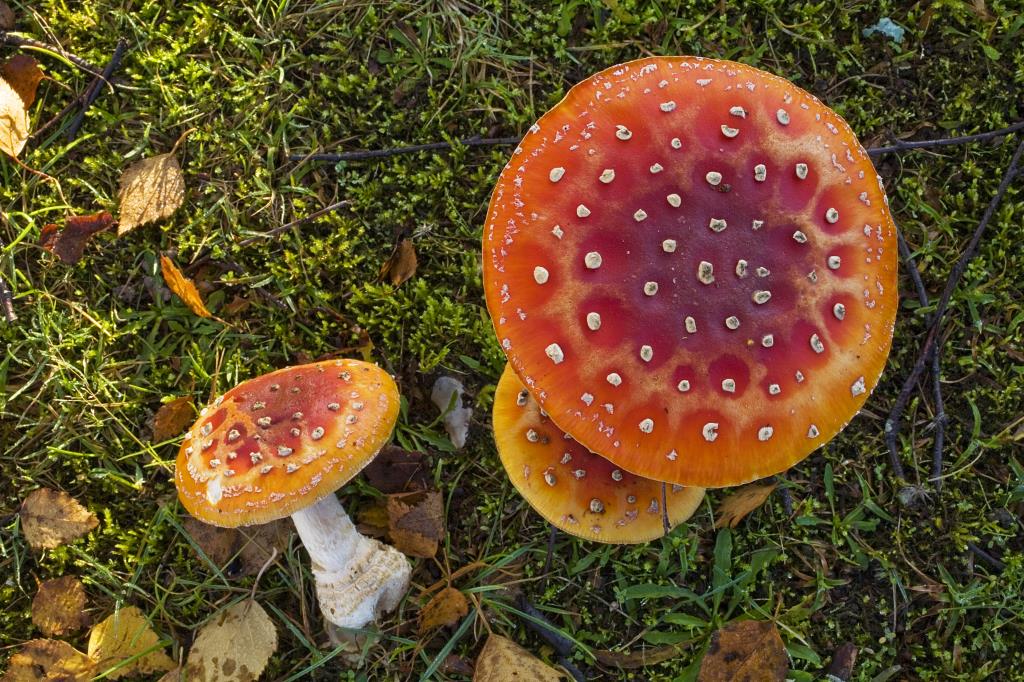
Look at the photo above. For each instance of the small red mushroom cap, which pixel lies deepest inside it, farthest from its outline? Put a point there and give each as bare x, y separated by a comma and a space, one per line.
280, 442
692, 266
574, 489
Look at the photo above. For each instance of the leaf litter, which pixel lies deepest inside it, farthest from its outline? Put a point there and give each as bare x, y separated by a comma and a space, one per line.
234, 646
124, 644
19, 77
68, 243
51, 518
59, 606
737, 505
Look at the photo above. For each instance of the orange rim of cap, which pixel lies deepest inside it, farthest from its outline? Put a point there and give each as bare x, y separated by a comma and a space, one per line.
574, 489
692, 265
280, 442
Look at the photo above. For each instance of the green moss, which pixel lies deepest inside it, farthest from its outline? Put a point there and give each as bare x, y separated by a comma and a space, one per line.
99, 344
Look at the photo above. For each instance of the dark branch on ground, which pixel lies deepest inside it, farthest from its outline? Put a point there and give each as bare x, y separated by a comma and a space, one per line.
986, 557
363, 155
18, 41
932, 343
7, 302
383, 153
93, 91
562, 645
903, 146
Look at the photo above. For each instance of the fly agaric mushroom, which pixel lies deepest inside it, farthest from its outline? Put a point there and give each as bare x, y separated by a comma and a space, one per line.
574, 489
692, 266
280, 445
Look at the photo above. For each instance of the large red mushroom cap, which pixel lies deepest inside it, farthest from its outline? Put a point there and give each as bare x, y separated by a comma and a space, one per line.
692, 266
579, 492
280, 442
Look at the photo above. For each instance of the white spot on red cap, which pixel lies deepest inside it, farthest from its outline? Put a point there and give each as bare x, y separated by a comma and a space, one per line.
646, 353
594, 321
647, 425
540, 275
607, 175
729, 131
714, 178
592, 260
764, 433
710, 431
669, 246
858, 387
674, 200
623, 133
554, 351
667, 106
582, 211
801, 171
760, 172
614, 379
556, 174
783, 116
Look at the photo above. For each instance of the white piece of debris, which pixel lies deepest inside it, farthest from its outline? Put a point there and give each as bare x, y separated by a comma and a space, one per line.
456, 420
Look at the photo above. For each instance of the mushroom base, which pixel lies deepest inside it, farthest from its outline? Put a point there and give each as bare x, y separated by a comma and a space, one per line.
357, 578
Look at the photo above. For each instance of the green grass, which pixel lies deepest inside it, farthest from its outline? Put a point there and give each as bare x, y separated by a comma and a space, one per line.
100, 343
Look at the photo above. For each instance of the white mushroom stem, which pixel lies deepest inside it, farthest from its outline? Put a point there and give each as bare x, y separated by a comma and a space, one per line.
357, 578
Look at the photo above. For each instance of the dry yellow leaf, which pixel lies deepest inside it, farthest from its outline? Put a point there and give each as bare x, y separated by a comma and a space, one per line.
416, 522
172, 418
48, 660
234, 646
59, 606
445, 609
124, 635
50, 518
13, 121
150, 190
745, 650
402, 263
502, 660
732, 509
183, 287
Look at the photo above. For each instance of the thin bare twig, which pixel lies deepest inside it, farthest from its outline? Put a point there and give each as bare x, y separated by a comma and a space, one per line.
903, 146
19, 41
986, 557
93, 91
7, 302
562, 645
383, 153
932, 342
362, 155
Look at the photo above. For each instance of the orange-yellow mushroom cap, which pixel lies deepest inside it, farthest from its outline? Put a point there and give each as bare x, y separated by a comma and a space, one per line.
692, 265
280, 442
574, 489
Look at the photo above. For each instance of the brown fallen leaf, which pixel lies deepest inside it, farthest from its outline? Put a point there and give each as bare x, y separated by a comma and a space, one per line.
372, 519
59, 606
395, 470
173, 418
19, 78
253, 546
124, 644
7, 17
234, 646
445, 609
401, 265
176, 675
68, 243
416, 522
501, 660
51, 518
745, 650
48, 660
733, 508
183, 288
151, 189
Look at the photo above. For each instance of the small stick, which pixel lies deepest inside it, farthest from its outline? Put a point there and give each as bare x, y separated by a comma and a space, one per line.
7, 302
985, 556
383, 153
497, 141
562, 645
902, 146
17, 41
664, 509
940, 420
93, 91
931, 341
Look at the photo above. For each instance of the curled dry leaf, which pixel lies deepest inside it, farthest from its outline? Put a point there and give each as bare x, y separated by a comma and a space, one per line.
395, 470
173, 418
447, 393
733, 508
445, 609
51, 518
59, 606
124, 644
68, 244
234, 646
416, 522
151, 189
48, 660
401, 265
745, 650
501, 660
19, 78
183, 287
